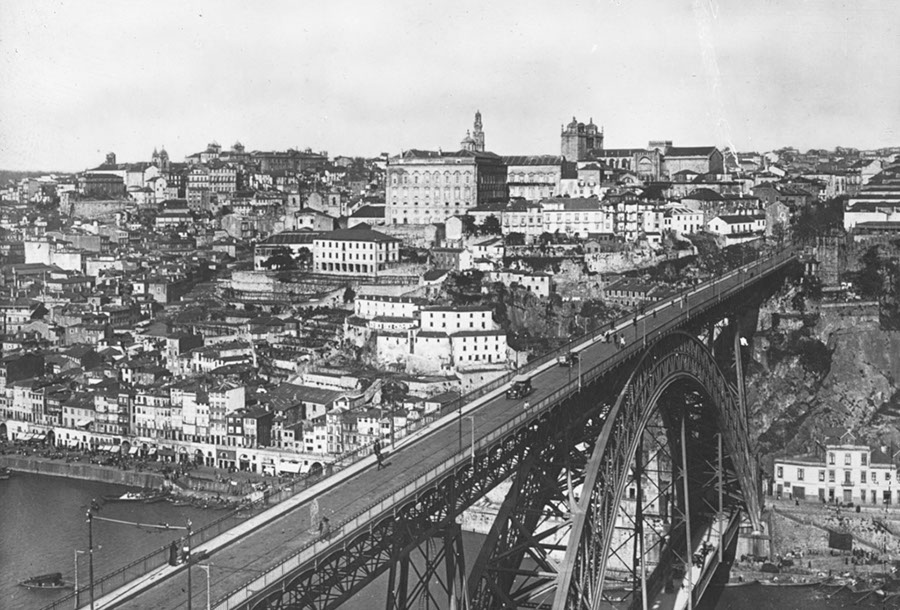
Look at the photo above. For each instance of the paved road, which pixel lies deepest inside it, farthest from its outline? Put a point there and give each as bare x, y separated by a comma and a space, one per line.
246, 559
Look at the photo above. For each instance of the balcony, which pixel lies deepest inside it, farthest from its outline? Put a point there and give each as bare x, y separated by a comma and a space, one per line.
846, 483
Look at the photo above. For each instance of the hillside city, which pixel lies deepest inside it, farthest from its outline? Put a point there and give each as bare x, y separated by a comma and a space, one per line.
276, 311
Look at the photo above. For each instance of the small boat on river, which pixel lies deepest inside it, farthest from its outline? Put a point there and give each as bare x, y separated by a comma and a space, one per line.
54, 580
4, 473
147, 497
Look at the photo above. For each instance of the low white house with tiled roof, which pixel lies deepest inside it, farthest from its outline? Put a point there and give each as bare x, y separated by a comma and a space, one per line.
737, 228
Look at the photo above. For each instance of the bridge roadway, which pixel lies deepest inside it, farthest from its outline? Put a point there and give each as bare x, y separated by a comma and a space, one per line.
238, 561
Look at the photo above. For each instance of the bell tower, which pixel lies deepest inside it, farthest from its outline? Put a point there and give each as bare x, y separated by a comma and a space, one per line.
478, 132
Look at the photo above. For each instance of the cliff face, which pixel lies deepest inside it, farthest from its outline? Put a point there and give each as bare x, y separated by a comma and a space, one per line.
835, 367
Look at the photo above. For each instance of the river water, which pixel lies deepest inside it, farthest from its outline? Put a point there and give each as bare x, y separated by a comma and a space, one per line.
42, 522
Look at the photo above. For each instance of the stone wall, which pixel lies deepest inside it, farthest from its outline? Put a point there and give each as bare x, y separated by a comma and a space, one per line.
87, 472
93, 209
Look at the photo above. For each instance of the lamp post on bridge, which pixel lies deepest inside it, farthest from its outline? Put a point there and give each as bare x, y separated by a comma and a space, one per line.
77, 553
90, 520
472, 418
206, 567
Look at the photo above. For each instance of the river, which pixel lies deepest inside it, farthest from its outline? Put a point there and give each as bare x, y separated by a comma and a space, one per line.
42, 522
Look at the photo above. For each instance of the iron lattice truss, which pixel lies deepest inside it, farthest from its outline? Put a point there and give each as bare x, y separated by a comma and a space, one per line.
676, 358
588, 443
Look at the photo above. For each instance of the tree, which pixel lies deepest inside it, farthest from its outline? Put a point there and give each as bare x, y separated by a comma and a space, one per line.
468, 225
280, 259
869, 281
304, 258
349, 295
491, 226
515, 239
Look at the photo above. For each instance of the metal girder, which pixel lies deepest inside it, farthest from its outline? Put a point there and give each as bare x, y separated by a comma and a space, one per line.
547, 458
673, 358
534, 518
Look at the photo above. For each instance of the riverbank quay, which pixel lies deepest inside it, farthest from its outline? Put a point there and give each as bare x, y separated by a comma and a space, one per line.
84, 471
184, 480
801, 551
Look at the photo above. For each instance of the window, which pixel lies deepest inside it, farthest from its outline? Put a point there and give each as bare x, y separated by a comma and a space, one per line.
887, 476
831, 459
831, 476
864, 459
779, 472
848, 459
862, 476
822, 476
800, 474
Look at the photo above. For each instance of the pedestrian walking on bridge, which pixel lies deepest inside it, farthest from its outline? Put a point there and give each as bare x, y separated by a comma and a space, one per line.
376, 449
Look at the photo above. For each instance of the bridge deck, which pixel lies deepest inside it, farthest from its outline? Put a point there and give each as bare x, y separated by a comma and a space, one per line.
245, 559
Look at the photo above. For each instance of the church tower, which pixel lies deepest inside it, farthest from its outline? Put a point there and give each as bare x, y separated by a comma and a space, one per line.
478, 133
577, 139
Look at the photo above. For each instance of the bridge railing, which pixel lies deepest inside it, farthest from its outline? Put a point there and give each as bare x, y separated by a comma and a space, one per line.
159, 557
276, 574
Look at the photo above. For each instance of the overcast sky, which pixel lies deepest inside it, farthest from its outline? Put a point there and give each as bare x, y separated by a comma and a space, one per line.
81, 78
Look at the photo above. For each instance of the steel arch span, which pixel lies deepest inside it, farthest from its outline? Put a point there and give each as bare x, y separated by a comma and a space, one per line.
678, 359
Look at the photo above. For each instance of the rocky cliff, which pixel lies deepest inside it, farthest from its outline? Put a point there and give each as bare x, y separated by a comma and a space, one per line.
832, 366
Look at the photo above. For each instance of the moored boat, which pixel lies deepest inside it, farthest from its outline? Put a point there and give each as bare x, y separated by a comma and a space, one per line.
4, 473
147, 497
128, 496
54, 580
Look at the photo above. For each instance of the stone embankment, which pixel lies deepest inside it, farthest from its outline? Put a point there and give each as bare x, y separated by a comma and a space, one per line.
84, 471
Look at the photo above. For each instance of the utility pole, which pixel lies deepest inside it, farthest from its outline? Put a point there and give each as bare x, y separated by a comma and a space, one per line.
206, 567
472, 418
77, 553
90, 520
188, 561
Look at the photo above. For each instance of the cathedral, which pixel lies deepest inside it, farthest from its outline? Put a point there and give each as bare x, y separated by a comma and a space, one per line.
579, 139
474, 140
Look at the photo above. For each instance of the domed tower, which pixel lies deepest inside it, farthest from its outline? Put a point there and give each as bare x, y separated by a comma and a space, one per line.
468, 143
163, 160
593, 137
478, 132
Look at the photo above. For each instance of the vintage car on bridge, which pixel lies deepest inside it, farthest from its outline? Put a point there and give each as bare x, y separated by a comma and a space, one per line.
520, 388
568, 359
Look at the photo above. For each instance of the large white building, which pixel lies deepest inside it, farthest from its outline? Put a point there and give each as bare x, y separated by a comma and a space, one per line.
533, 177
847, 471
356, 251
575, 217
425, 187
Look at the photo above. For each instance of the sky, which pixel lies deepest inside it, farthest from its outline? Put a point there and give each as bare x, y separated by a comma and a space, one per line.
82, 78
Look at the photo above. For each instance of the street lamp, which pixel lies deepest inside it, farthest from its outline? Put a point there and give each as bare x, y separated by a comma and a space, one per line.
90, 520
187, 549
77, 553
472, 417
205, 567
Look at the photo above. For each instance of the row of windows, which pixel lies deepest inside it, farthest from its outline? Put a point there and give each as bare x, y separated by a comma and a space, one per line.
428, 178
416, 203
848, 458
863, 475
